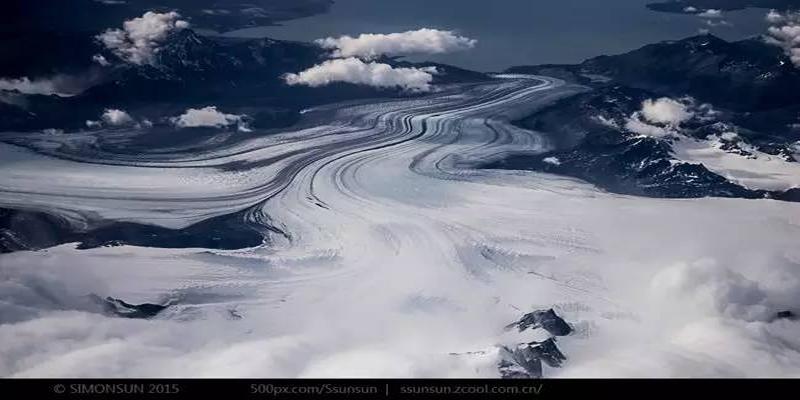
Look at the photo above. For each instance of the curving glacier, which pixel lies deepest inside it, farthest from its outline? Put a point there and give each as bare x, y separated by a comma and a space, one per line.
388, 254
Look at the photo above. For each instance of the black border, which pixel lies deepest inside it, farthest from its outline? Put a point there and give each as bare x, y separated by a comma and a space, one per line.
388, 388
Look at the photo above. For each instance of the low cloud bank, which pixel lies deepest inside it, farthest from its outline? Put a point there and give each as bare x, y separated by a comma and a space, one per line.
116, 118
710, 13
353, 70
209, 117
353, 59
26, 86
58, 85
697, 297
421, 41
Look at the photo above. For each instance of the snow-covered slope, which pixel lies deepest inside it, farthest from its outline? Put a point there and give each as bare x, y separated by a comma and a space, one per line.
753, 170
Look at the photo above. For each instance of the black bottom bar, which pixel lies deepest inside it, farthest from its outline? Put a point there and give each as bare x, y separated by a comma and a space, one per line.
382, 388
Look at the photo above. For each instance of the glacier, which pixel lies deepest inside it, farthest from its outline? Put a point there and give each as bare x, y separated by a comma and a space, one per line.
390, 255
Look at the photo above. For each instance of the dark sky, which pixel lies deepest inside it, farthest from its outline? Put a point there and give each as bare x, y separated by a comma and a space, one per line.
92, 15
513, 32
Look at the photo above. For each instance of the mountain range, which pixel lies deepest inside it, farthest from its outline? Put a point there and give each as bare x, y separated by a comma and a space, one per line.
748, 88
696, 6
189, 70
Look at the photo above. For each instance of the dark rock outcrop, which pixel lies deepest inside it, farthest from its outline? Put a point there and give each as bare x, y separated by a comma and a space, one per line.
119, 308
786, 314
35, 230
545, 319
519, 364
524, 361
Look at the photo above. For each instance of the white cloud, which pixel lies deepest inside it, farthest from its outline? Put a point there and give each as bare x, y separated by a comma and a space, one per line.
659, 118
113, 117
220, 11
421, 41
609, 122
636, 125
710, 13
353, 70
713, 18
633, 295
712, 288
774, 17
717, 23
100, 59
116, 117
729, 136
208, 117
704, 112
62, 85
552, 160
785, 33
665, 111
25, 85
138, 40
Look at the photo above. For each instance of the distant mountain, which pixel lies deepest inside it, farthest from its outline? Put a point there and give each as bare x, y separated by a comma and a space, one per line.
753, 81
45, 53
693, 6
751, 87
602, 153
47, 37
744, 75
192, 70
